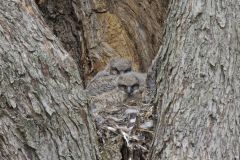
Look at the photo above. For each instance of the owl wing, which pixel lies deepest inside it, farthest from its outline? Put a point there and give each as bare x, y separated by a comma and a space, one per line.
141, 77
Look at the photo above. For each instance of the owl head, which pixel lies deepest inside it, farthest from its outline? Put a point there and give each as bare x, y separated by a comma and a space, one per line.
120, 66
128, 83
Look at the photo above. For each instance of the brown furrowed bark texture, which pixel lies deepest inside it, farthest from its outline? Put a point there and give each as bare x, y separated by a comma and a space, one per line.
62, 21
94, 31
43, 111
197, 80
130, 29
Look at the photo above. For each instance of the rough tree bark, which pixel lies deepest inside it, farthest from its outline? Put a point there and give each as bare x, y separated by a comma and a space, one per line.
197, 79
93, 31
43, 111
129, 29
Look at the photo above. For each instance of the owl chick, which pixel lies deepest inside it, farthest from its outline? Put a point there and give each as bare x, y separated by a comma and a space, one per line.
105, 80
116, 66
119, 66
127, 87
132, 83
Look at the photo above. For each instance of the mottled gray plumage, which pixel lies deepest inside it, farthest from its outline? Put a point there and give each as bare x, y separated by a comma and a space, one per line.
119, 66
105, 80
132, 84
141, 77
116, 66
127, 86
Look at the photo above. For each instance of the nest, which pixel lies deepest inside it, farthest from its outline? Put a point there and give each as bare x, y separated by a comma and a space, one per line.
125, 131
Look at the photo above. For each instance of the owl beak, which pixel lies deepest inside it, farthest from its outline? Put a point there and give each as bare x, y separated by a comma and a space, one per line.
129, 91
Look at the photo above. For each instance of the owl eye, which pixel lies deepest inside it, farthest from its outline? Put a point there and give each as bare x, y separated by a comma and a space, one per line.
114, 71
127, 70
122, 87
135, 87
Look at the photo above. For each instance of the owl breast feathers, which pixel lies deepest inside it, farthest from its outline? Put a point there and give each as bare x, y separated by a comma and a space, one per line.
115, 90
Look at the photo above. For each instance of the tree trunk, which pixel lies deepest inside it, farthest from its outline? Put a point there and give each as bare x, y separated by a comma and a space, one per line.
43, 111
197, 80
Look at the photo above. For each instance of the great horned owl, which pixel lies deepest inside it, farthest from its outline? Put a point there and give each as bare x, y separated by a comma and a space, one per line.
132, 84
105, 80
116, 66
119, 66
107, 91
